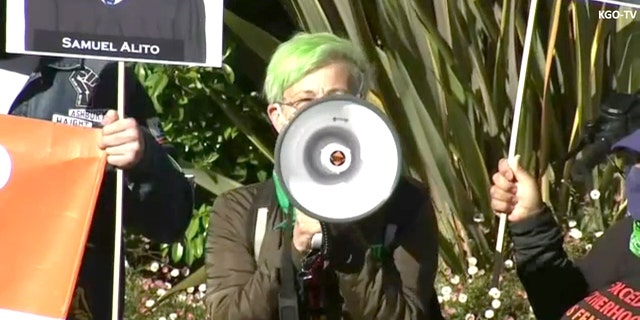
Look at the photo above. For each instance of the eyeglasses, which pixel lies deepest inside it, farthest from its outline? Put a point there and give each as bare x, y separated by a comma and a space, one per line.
302, 103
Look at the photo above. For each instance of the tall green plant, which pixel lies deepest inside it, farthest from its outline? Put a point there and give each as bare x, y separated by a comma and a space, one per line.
219, 134
447, 73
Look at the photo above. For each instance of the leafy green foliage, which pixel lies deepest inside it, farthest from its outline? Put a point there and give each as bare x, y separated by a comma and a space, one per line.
210, 121
215, 127
446, 72
446, 75
191, 247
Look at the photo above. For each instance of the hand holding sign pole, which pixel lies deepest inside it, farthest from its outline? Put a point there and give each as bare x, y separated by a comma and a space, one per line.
515, 126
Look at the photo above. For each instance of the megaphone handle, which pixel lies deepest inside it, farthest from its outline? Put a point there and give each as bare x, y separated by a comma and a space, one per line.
316, 241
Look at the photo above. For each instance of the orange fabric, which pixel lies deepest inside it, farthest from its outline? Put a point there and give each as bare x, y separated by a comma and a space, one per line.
46, 207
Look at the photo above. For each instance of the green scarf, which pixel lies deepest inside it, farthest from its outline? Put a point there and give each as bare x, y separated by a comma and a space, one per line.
634, 242
285, 205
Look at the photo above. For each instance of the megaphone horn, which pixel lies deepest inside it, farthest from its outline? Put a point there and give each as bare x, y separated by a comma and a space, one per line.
339, 159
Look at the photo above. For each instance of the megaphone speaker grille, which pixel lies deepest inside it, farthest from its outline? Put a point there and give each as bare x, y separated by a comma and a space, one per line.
329, 154
339, 159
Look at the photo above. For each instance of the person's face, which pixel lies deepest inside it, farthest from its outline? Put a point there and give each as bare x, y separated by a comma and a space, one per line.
331, 79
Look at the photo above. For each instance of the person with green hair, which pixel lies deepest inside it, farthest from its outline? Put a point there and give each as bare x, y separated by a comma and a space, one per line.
255, 272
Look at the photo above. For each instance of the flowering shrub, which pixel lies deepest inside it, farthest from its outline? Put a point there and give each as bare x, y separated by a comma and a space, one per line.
144, 286
470, 296
467, 297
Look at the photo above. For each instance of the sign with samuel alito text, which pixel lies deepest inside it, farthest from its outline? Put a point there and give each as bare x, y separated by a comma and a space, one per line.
184, 32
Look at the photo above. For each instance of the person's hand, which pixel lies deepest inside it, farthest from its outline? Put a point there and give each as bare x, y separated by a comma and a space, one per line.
122, 140
303, 231
514, 192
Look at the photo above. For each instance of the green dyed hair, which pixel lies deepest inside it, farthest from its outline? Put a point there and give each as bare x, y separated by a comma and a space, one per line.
307, 52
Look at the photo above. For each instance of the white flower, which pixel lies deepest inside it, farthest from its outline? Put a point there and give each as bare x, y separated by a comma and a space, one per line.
173, 316
161, 292
162, 318
472, 270
182, 297
202, 287
588, 246
174, 273
440, 299
478, 217
446, 297
126, 264
168, 285
154, 267
598, 234
472, 261
508, 263
149, 303
190, 290
575, 233
469, 316
462, 298
446, 290
594, 194
185, 272
494, 293
489, 314
495, 303
572, 223
455, 279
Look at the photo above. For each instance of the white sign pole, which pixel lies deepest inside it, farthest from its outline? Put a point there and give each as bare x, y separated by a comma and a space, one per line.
513, 160
117, 248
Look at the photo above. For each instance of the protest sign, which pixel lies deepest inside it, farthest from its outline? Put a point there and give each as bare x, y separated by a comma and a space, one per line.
179, 32
186, 32
50, 177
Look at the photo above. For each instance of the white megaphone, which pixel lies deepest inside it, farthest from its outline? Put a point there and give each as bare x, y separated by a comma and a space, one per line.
339, 159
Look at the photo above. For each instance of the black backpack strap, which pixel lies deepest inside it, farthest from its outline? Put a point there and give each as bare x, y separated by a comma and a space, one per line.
288, 295
406, 196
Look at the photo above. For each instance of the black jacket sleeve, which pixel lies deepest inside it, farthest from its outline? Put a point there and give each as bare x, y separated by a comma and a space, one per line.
190, 24
552, 281
158, 197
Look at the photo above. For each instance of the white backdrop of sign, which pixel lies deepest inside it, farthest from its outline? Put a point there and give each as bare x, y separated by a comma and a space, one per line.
182, 32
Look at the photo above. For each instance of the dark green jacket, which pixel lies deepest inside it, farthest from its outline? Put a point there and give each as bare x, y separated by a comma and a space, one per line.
239, 288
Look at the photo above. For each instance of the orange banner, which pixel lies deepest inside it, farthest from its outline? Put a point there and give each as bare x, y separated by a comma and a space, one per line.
50, 176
